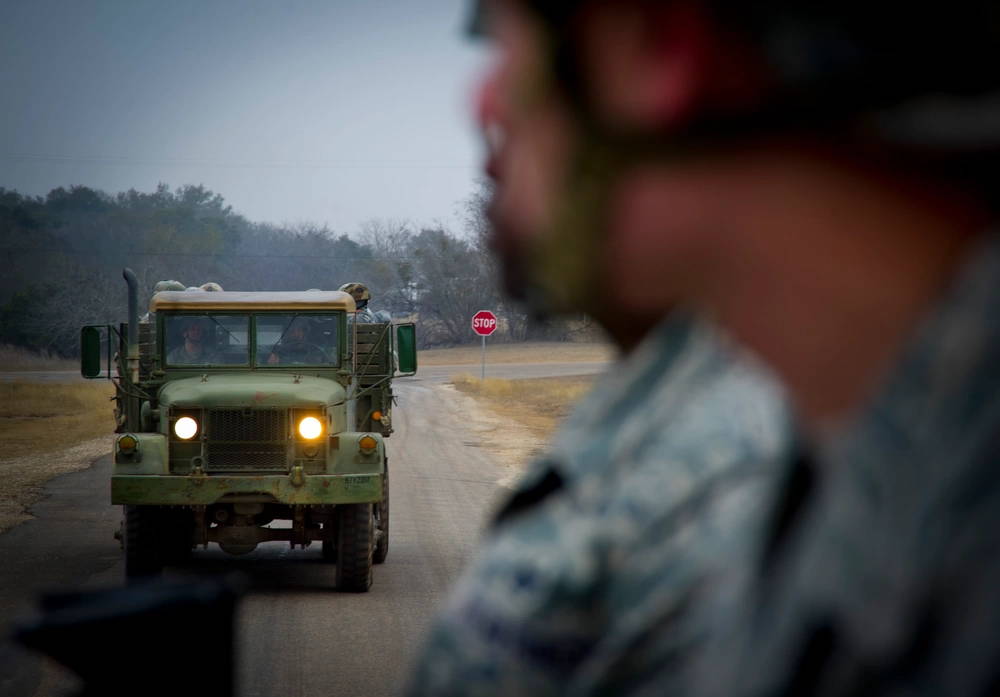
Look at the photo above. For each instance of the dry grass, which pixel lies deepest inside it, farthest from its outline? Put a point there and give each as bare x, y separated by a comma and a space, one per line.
538, 404
14, 359
45, 417
47, 429
530, 352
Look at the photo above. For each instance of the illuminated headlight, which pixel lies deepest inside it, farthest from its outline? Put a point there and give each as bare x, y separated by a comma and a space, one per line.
185, 428
310, 428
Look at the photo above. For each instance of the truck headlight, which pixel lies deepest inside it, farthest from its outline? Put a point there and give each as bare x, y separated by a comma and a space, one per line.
185, 428
310, 428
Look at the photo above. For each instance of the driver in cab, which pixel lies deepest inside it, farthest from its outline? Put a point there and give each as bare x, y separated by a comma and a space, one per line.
294, 348
193, 350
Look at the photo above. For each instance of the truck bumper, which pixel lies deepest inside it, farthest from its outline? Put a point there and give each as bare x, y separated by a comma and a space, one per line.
203, 490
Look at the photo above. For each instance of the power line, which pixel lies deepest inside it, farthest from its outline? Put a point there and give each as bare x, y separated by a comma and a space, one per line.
114, 161
219, 255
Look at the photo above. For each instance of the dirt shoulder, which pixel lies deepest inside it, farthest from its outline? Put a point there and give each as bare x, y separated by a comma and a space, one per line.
47, 429
22, 479
530, 352
512, 444
515, 419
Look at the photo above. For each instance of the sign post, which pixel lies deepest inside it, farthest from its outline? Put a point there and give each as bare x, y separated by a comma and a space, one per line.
484, 323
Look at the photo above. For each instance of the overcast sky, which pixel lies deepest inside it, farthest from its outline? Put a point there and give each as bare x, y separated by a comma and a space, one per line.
324, 111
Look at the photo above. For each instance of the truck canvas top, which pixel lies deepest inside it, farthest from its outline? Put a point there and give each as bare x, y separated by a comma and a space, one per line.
199, 300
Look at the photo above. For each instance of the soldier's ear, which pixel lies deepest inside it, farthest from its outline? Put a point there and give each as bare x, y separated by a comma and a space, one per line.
655, 65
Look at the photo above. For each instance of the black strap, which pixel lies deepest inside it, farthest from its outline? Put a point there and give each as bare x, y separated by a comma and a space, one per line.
524, 499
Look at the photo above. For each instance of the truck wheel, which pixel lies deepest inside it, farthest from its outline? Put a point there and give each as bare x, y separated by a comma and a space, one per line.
355, 545
142, 542
382, 521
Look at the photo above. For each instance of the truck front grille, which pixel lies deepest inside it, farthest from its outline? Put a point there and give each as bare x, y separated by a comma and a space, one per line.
246, 440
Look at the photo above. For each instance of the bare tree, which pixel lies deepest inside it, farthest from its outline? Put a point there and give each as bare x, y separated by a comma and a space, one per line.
390, 274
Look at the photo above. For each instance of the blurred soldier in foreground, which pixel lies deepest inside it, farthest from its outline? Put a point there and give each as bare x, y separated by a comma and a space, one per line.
648, 493
818, 178
362, 296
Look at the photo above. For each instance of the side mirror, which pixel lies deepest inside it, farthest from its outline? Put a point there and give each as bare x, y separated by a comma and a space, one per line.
90, 352
406, 349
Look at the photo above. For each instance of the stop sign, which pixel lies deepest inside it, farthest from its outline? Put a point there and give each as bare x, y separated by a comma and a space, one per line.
484, 323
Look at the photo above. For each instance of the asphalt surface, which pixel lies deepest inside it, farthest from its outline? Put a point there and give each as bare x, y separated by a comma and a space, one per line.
296, 635
433, 373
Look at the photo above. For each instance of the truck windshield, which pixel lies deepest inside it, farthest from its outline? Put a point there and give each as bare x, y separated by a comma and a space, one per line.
298, 339
206, 340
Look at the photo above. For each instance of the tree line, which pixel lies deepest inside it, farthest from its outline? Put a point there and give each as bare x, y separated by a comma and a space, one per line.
64, 253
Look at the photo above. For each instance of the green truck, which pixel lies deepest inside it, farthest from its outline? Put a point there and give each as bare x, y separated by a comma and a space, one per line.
237, 409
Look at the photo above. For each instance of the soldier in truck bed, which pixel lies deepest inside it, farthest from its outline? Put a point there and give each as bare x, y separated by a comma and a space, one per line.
362, 296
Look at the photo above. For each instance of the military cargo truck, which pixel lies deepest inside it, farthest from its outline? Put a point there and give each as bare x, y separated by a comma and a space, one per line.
237, 409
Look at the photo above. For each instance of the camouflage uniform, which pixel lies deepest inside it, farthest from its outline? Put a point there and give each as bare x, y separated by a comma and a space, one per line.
367, 315
654, 473
882, 576
180, 356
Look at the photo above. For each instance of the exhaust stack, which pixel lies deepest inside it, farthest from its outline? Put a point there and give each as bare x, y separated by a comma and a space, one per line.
132, 355
132, 350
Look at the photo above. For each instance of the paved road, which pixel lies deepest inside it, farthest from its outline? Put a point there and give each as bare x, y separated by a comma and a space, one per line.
433, 373
509, 371
296, 636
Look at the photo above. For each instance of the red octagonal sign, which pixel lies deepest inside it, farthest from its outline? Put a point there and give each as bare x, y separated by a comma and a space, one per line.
484, 323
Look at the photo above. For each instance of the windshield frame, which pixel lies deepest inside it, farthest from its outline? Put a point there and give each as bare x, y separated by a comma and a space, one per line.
338, 360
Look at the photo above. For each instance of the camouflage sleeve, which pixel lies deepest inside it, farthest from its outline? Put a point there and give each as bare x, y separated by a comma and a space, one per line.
659, 589
579, 593
521, 617
565, 582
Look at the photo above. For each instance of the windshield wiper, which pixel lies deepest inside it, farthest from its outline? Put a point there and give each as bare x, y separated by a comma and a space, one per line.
285, 330
224, 329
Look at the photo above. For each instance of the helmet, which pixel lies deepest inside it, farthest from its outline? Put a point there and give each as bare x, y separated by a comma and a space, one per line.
840, 69
830, 63
167, 285
358, 291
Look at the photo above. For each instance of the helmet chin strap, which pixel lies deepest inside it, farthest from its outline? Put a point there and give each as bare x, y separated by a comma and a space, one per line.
564, 265
565, 269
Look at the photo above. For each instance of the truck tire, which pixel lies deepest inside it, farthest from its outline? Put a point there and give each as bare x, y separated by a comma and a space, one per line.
382, 521
142, 542
355, 546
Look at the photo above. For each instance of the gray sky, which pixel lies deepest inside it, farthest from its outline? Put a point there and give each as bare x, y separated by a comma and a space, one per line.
323, 111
